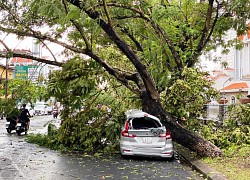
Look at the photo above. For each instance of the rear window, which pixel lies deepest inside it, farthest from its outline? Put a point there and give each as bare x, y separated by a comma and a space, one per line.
144, 123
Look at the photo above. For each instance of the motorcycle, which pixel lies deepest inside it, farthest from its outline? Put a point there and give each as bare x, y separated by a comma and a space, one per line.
11, 123
22, 126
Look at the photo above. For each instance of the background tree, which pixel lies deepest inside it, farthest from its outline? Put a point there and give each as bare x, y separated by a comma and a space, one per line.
148, 43
20, 91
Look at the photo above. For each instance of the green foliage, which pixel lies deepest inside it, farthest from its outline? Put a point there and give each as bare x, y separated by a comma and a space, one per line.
238, 115
235, 130
74, 83
187, 96
24, 90
49, 140
20, 91
87, 124
92, 130
8, 107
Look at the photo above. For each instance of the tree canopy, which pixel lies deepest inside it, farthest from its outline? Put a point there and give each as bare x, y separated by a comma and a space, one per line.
19, 91
145, 45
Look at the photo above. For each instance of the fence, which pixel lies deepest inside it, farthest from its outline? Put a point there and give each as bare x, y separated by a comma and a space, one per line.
215, 112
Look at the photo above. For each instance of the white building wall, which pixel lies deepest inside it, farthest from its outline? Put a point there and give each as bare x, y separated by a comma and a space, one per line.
229, 57
242, 60
222, 82
237, 65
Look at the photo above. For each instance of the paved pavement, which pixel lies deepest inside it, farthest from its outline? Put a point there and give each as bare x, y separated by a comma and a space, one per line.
42, 163
20, 160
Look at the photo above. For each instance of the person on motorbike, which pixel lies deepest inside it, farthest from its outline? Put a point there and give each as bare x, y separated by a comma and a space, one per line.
25, 115
55, 111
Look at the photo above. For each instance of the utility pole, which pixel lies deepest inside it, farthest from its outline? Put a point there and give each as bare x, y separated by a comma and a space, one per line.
6, 77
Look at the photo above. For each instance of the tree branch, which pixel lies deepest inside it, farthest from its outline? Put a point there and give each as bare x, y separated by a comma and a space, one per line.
148, 82
42, 60
125, 30
159, 31
206, 26
204, 40
122, 77
42, 37
5, 45
88, 52
78, 27
107, 13
49, 50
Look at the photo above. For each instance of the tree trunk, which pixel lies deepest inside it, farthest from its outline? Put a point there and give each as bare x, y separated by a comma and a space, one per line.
179, 134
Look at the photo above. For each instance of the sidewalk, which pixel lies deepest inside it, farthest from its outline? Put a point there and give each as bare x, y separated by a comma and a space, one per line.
198, 165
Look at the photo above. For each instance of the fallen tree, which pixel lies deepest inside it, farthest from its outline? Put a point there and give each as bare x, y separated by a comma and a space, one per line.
145, 46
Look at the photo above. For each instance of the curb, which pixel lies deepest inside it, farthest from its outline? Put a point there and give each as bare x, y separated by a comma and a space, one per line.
196, 164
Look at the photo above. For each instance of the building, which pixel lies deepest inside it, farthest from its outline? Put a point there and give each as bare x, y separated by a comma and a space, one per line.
10, 72
18, 61
242, 58
27, 68
233, 81
236, 92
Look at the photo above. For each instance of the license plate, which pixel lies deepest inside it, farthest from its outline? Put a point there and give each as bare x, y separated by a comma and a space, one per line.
19, 124
147, 140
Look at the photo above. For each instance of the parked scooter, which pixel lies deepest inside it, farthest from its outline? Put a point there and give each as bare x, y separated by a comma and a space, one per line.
11, 123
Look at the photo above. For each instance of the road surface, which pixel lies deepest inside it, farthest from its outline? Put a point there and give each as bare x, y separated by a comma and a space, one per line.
20, 160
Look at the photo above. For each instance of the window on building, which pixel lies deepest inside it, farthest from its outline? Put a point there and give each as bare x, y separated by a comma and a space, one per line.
233, 100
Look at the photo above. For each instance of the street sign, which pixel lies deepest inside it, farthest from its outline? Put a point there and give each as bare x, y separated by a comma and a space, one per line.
27, 72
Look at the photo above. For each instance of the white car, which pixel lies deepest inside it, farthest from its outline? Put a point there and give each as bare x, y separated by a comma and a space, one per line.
31, 110
144, 135
50, 110
40, 109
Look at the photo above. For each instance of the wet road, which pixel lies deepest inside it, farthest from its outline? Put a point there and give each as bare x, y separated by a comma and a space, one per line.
20, 160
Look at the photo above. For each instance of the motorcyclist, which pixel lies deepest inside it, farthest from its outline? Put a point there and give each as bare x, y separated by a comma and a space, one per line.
55, 111
25, 115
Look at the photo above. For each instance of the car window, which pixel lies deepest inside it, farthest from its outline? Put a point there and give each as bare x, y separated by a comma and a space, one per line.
144, 123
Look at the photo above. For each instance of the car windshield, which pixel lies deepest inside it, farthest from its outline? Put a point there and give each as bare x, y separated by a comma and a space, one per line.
144, 123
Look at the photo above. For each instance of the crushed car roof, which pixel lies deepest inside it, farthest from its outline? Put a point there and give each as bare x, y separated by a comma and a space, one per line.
135, 113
